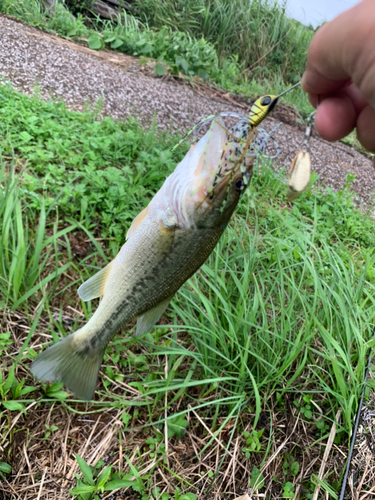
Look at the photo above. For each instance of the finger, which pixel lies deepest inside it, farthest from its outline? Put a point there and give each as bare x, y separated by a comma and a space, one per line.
324, 70
366, 128
351, 91
337, 115
335, 118
314, 100
342, 50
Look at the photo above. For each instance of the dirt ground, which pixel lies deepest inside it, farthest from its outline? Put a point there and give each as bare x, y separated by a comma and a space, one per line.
35, 61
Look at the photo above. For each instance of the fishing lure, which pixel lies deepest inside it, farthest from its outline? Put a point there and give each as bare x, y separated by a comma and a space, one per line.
300, 168
258, 112
264, 105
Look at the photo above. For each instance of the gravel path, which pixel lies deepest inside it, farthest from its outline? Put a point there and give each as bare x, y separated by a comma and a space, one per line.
30, 58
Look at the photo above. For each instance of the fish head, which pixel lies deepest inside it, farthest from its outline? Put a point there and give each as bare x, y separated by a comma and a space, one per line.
208, 183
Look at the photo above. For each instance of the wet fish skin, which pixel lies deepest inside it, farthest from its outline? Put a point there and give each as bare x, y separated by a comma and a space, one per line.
165, 246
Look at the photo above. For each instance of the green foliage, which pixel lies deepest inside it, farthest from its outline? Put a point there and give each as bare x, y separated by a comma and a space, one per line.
244, 47
159, 69
257, 32
256, 479
29, 11
281, 309
322, 426
54, 391
290, 466
98, 481
4, 469
66, 153
13, 392
156, 444
288, 490
12, 389
5, 341
179, 51
50, 429
252, 442
24, 258
177, 495
180, 496
177, 426
305, 407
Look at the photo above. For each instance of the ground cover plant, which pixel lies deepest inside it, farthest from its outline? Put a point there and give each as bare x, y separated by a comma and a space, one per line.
240, 46
257, 356
257, 33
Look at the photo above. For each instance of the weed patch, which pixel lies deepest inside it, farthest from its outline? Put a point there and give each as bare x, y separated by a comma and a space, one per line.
265, 343
244, 47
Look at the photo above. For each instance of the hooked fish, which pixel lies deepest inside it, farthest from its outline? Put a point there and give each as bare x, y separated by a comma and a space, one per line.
165, 245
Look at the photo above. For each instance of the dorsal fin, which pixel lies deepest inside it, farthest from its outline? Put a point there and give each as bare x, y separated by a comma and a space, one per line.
136, 222
94, 286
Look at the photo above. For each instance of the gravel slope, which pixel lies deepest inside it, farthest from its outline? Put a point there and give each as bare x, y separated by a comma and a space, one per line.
67, 71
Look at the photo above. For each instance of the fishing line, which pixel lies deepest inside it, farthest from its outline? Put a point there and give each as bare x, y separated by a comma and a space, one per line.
309, 124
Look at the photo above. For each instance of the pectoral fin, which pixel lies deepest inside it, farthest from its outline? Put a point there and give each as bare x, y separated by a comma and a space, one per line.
151, 317
94, 286
137, 222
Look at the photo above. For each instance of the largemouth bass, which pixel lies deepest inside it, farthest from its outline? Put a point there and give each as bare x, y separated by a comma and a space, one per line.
165, 245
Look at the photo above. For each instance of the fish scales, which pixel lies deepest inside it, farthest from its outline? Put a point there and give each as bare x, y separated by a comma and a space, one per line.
165, 246
166, 243
160, 282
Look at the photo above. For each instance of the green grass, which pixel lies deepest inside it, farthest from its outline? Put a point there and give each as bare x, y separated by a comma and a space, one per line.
28, 241
258, 33
277, 321
79, 163
246, 48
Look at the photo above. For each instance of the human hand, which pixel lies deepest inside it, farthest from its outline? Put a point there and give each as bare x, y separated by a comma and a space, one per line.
340, 74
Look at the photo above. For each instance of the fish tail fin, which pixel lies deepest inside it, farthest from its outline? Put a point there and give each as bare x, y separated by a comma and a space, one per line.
77, 368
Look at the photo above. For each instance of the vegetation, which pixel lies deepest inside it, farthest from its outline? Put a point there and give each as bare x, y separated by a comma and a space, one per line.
266, 342
275, 326
240, 46
257, 33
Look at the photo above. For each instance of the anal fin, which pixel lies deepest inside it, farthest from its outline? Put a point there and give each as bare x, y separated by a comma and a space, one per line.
94, 286
151, 317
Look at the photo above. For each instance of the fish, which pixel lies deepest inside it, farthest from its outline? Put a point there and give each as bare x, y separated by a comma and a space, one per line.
165, 245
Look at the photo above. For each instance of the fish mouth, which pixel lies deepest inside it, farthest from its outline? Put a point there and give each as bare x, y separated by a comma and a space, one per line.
222, 183
234, 165
224, 177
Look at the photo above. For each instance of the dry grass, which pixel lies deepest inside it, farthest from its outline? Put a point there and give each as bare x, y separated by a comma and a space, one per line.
46, 468
209, 460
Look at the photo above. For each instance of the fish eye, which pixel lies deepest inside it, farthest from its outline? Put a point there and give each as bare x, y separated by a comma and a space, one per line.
239, 184
266, 100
